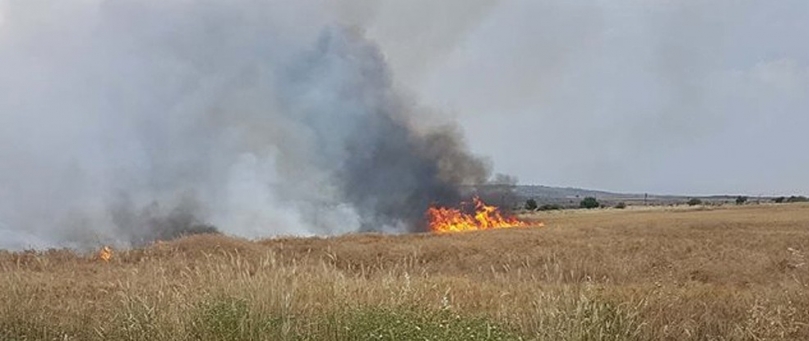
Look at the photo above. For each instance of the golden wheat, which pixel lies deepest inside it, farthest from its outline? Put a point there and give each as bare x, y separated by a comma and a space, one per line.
735, 273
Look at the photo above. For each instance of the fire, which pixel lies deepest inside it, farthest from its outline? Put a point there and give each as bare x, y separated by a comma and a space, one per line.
105, 253
448, 220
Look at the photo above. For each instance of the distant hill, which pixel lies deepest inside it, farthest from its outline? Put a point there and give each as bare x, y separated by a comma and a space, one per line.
570, 196
567, 192
515, 196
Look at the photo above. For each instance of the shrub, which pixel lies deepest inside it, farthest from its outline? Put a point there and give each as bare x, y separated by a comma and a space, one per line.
740, 200
779, 200
531, 205
620, 205
550, 207
797, 199
589, 203
694, 202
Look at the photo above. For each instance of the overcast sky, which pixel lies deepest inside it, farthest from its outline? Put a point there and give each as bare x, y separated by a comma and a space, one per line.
682, 97
660, 96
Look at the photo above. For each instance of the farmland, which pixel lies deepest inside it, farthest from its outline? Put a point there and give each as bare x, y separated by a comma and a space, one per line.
695, 273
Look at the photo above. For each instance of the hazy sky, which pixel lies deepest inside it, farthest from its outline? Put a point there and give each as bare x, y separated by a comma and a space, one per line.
658, 96
691, 97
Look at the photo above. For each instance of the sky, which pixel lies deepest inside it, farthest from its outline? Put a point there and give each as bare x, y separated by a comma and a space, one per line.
674, 97
658, 96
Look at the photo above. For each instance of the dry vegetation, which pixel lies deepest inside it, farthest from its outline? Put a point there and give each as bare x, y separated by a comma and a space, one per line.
687, 274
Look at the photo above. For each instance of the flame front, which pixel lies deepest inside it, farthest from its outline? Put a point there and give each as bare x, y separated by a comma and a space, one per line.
105, 254
448, 220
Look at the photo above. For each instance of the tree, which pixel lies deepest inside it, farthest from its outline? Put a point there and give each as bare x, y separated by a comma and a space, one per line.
779, 200
531, 204
589, 203
550, 207
797, 199
740, 200
694, 202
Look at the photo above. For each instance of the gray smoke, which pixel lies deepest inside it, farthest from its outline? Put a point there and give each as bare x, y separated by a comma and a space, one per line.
385, 168
131, 121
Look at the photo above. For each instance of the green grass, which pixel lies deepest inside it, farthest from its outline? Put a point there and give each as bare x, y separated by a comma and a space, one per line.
407, 324
231, 319
228, 318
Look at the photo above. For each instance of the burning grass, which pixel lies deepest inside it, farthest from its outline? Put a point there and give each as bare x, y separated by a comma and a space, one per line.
723, 274
481, 217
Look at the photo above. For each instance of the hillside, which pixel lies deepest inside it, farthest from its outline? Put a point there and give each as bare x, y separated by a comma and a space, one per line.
571, 196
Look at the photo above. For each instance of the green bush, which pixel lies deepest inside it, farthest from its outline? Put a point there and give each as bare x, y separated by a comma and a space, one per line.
793, 199
694, 202
550, 207
589, 203
779, 200
740, 200
531, 205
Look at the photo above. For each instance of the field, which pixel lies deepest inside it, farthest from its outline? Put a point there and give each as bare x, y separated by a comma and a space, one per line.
719, 273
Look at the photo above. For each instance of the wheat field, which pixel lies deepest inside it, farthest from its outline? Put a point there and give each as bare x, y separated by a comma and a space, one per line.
704, 273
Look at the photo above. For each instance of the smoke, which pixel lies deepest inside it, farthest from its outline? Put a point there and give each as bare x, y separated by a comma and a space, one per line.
131, 121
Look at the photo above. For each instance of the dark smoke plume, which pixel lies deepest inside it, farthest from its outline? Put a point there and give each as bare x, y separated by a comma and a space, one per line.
159, 120
390, 172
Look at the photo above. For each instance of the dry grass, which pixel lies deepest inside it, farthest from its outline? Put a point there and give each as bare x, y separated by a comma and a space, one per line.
736, 273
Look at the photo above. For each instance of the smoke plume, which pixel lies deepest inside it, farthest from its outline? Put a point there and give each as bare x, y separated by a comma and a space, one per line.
131, 121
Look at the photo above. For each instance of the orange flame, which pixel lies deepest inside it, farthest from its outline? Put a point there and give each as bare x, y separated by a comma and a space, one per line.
105, 253
448, 220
